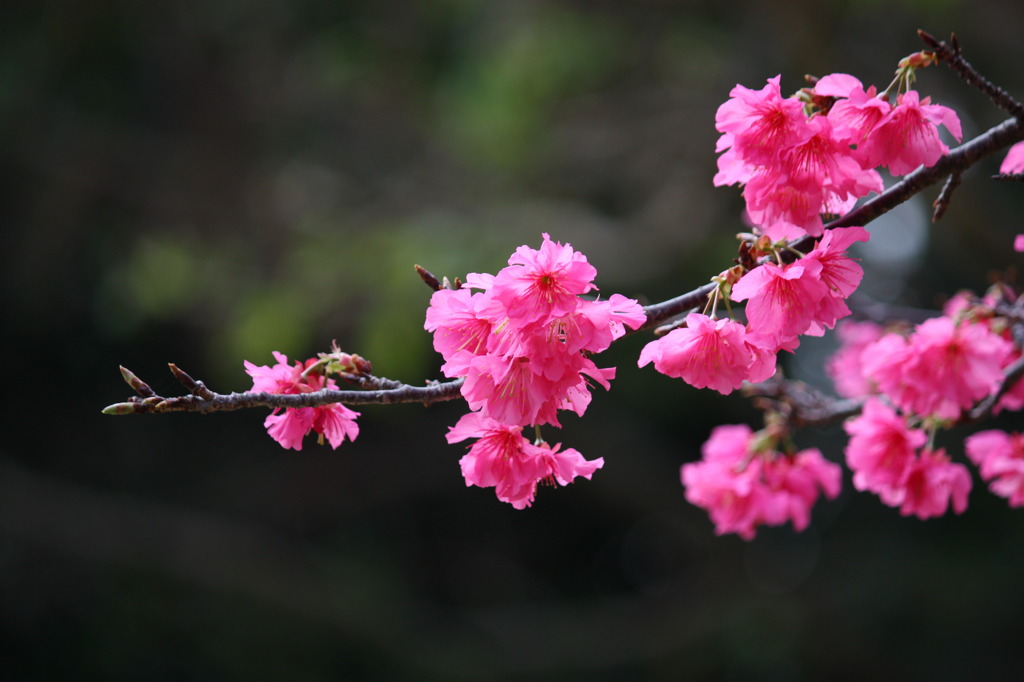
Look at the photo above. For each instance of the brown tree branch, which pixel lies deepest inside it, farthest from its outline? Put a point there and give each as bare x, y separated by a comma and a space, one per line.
376, 391
950, 53
956, 161
381, 391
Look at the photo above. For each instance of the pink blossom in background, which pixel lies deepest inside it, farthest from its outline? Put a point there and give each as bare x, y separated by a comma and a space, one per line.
724, 481
1018, 241
932, 484
999, 457
798, 480
1014, 162
709, 353
883, 453
741, 489
881, 450
908, 136
942, 369
290, 425
845, 367
501, 458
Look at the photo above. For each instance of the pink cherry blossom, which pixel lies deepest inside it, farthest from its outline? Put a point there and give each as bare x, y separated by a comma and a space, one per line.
881, 450
845, 367
524, 342
742, 489
999, 457
770, 198
289, 426
857, 113
942, 369
823, 161
462, 331
1014, 161
545, 283
908, 136
783, 300
933, 483
501, 458
798, 480
840, 273
759, 123
709, 353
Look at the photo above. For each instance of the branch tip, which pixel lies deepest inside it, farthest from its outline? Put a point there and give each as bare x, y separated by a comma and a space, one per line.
428, 278
120, 408
928, 38
137, 384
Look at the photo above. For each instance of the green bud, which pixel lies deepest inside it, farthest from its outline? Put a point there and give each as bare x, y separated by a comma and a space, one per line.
120, 408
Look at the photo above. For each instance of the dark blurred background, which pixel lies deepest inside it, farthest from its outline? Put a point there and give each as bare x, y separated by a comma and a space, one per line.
206, 182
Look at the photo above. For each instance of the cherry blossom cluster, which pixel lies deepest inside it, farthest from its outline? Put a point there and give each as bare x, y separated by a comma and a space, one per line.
918, 381
784, 301
289, 426
817, 153
523, 341
800, 159
743, 481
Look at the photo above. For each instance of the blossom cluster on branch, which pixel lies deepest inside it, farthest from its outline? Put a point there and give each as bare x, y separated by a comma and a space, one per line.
519, 345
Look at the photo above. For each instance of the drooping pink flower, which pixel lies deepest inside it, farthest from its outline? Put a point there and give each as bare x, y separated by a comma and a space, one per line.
709, 353
798, 480
999, 457
845, 367
782, 301
770, 198
1014, 161
933, 483
908, 136
290, 425
501, 458
881, 450
840, 273
742, 489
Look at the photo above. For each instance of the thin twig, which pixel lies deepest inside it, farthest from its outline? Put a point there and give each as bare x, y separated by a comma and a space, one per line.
387, 392
956, 161
941, 203
950, 53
